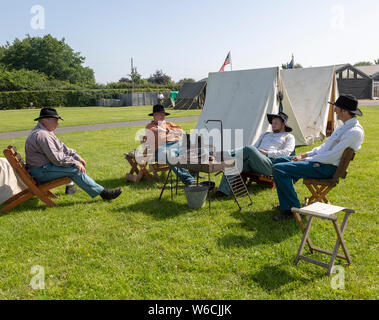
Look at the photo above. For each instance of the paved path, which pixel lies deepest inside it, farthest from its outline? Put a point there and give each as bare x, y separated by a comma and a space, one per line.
91, 127
363, 103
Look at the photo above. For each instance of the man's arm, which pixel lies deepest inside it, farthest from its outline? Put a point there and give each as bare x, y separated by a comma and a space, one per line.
259, 141
352, 138
49, 146
174, 129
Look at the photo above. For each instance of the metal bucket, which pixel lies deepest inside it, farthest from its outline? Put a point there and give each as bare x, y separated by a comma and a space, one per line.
196, 195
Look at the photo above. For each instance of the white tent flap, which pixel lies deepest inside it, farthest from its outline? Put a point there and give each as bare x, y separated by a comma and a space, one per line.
308, 91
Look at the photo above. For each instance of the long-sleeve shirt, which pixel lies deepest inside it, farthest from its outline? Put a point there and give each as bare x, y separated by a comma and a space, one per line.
280, 144
160, 132
350, 134
43, 147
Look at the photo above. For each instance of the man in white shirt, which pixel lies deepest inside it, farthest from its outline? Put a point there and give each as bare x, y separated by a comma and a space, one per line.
259, 157
321, 162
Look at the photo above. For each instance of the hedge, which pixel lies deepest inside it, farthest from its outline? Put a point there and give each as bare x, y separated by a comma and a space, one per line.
61, 98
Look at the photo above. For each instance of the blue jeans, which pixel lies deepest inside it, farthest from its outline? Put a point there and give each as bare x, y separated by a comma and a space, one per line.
172, 148
253, 161
51, 172
285, 172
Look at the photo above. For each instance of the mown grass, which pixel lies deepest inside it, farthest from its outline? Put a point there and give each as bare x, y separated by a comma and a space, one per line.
137, 247
17, 120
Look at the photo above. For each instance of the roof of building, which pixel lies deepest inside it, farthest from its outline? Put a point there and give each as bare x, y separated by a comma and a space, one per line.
369, 70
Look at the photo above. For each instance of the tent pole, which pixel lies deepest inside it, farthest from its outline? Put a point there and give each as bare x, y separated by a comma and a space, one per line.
330, 124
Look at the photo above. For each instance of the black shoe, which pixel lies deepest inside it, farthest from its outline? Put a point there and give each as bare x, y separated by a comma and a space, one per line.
108, 194
71, 190
285, 215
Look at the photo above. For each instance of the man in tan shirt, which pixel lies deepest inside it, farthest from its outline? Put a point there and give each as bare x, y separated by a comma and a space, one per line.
166, 140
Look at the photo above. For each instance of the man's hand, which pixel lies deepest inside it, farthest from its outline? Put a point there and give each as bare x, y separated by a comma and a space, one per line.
81, 168
82, 161
299, 158
264, 152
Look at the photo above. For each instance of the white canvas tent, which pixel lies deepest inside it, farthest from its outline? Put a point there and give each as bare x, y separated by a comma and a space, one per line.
306, 95
241, 99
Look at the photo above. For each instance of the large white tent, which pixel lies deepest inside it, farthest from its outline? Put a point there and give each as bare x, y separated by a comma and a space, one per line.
307, 93
241, 99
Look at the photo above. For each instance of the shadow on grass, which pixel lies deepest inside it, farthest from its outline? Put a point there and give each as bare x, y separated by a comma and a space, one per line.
159, 209
265, 230
273, 277
36, 204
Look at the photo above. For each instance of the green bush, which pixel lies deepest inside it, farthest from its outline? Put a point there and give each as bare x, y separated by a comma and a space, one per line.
61, 98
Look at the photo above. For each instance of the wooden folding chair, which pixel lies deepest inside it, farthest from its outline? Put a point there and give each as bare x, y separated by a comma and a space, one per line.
250, 177
147, 169
322, 213
40, 190
319, 188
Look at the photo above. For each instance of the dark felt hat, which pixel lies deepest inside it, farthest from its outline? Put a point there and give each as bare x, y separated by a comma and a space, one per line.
158, 108
349, 103
48, 113
280, 115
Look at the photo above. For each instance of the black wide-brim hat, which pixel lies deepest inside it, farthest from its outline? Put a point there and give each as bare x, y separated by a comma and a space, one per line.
157, 109
349, 103
48, 113
280, 115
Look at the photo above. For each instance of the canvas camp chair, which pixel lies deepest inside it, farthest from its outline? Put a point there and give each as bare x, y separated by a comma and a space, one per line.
319, 188
33, 188
146, 169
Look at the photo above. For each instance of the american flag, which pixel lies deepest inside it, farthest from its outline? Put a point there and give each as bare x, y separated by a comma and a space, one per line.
227, 61
291, 64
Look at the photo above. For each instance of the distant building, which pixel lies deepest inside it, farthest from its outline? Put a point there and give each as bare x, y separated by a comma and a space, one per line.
352, 80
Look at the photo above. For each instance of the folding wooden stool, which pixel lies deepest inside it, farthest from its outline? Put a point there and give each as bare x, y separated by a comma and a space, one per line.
138, 170
327, 212
146, 168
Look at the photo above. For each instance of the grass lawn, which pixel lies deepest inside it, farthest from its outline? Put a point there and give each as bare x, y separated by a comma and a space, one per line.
15, 120
136, 247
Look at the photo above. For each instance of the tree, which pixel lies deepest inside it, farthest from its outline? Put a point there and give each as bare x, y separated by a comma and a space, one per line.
363, 63
376, 61
135, 76
49, 55
123, 79
181, 82
160, 78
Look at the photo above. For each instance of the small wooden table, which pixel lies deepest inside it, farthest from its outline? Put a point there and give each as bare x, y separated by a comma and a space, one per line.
327, 212
211, 167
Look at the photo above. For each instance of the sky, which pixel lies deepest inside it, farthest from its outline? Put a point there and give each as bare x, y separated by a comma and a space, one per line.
189, 39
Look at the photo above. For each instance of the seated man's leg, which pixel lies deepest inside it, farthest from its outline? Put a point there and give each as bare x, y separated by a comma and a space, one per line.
257, 161
183, 174
285, 172
252, 161
281, 159
50, 172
